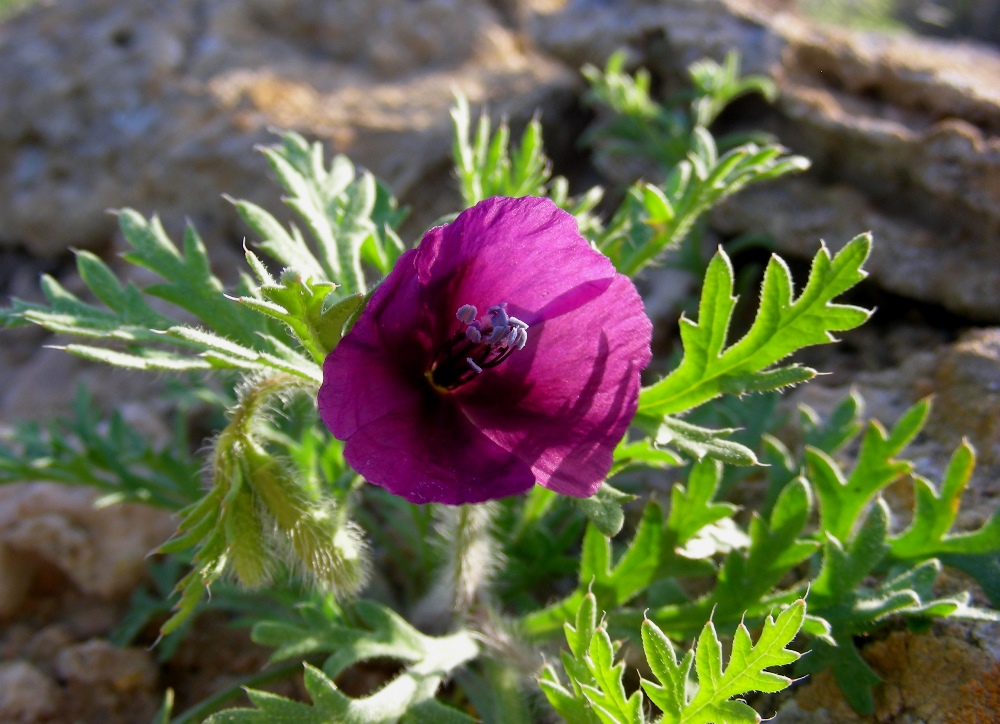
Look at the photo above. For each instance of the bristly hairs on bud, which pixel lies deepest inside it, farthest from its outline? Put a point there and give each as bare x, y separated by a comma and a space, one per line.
309, 531
304, 528
257, 513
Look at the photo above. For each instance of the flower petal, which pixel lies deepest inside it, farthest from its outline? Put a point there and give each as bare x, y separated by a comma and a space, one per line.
552, 411
435, 455
377, 367
401, 434
527, 252
564, 402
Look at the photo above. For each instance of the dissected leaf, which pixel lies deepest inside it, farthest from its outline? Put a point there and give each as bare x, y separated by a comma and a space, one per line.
596, 689
842, 499
383, 634
746, 672
699, 443
783, 325
975, 552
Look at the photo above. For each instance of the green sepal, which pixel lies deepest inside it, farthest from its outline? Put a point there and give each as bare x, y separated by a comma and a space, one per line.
604, 509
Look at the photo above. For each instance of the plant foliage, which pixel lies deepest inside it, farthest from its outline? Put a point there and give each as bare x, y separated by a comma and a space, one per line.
597, 694
281, 513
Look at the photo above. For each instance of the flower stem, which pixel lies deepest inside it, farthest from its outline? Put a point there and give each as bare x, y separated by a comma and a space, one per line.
473, 555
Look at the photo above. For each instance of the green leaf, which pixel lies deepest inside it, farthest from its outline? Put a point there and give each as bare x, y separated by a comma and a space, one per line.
775, 549
608, 697
651, 223
841, 426
235, 336
188, 281
598, 694
309, 307
701, 443
840, 596
670, 694
853, 675
409, 697
976, 552
658, 550
486, 166
612, 585
350, 217
691, 506
573, 709
718, 85
642, 453
717, 685
843, 499
783, 325
105, 453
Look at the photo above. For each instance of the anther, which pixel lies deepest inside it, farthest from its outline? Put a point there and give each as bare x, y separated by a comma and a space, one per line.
477, 345
466, 314
498, 315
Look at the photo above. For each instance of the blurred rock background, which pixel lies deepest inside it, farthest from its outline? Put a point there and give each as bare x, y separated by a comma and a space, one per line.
158, 106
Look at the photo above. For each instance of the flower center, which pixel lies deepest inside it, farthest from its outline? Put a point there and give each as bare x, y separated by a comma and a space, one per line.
478, 345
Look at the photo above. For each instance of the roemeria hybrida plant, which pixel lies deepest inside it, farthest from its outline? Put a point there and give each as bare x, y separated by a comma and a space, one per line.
501, 352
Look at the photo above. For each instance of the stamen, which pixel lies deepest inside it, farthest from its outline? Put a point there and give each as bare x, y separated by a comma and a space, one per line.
498, 315
496, 335
478, 344
467, 314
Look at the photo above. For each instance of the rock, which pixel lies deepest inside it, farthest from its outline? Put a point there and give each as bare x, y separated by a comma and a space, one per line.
925, 678
978, 19
914, 125
26, 694
102, 550
666, 37
15, 581
47, 384
99, 663
980, 699
909, 259
967, 380
106, 683
904, 133
158, 106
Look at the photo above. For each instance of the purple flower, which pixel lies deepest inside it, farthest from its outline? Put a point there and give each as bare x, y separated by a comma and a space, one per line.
501, 352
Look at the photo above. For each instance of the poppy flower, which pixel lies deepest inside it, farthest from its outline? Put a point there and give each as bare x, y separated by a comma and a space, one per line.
502, 351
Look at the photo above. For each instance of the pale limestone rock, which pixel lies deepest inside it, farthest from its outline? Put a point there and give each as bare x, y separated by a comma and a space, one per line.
99, 663
101, 550
968, 399
904, 133
158, 106
26, 694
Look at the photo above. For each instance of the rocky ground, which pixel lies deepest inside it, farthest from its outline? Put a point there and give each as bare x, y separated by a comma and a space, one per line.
157, 106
